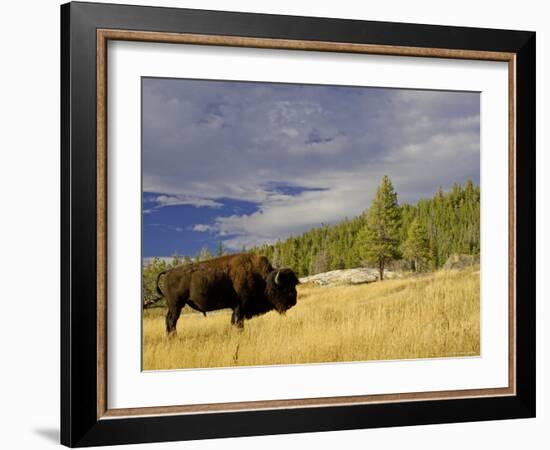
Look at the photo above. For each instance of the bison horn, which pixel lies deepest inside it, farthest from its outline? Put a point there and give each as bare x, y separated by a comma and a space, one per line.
277, 277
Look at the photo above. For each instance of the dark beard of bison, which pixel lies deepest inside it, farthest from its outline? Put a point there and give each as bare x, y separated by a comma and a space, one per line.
272, 295
277, 295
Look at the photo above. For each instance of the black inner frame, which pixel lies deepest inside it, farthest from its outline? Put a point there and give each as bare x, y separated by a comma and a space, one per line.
79, 423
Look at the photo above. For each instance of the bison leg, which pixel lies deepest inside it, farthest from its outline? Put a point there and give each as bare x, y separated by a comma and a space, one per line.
172, 318
237, 318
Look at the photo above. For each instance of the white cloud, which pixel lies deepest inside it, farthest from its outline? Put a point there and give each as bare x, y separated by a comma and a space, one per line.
172, 200
201, 227
206, 141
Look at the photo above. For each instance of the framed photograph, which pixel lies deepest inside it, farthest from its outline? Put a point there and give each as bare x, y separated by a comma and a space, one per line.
276, 224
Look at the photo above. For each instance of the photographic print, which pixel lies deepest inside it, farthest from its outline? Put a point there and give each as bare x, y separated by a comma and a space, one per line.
297, 217
299, 224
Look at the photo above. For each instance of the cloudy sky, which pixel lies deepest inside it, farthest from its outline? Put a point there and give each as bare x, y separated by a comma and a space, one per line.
246, 163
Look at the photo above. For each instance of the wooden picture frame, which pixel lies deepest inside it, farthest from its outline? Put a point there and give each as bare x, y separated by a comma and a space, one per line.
86, 418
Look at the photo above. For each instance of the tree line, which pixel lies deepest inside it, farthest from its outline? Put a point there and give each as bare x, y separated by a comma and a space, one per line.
388, 235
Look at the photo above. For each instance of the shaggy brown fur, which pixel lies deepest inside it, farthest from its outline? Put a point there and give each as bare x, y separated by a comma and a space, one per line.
246, 283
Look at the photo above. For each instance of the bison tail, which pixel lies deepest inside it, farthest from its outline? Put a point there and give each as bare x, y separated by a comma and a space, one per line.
159, 292
150, 303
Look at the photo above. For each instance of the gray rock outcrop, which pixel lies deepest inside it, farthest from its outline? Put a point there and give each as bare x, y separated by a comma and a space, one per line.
459, 261
359, 275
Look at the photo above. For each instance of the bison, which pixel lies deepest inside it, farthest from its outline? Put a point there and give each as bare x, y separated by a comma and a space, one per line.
246, 283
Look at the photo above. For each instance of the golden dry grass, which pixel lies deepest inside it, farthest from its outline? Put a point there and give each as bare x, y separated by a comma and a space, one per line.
436, 315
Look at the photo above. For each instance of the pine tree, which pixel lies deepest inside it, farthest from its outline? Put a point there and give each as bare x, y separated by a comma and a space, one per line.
416, 247
320, 263
176, 259
276, 257
379, 239
204, 254
221, 249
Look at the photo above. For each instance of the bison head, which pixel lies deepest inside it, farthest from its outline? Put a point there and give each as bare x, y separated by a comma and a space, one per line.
281, 289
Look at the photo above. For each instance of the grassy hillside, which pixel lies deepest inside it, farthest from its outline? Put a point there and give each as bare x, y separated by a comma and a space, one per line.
434, 315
